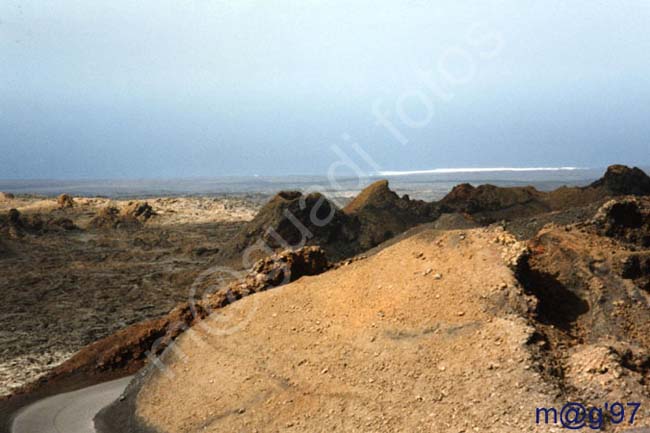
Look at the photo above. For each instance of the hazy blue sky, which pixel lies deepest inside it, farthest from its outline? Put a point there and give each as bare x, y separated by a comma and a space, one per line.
177, 88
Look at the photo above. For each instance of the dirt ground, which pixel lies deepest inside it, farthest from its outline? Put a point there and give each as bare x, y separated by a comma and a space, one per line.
67, 288
427, 335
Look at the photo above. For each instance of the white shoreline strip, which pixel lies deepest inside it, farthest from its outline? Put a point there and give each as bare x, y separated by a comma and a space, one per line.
477, 170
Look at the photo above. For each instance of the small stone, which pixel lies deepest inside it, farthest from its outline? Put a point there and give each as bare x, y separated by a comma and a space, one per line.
437, 276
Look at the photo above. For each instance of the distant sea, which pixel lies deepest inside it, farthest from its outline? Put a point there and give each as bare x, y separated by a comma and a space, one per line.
421, 184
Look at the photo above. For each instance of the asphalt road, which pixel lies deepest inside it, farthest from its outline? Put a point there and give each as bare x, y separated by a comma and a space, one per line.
72, 412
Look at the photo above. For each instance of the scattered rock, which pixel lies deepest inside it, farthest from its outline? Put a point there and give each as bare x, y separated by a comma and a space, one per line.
142, 211
62, 223
65, 201
205, 251
16, 225
111, 218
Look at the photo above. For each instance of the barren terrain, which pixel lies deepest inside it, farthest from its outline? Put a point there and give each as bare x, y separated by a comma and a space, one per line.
443, 331
393, 314
433, 347
63, 289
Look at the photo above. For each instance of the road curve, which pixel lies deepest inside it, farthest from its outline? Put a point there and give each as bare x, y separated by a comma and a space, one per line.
72, 412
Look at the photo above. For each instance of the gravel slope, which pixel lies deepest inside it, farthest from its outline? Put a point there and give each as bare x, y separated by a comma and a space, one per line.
426, 335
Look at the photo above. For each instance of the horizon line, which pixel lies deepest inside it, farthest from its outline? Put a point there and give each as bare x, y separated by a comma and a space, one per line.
475, 170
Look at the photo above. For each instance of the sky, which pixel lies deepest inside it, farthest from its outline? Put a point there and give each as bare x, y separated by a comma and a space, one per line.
189, 88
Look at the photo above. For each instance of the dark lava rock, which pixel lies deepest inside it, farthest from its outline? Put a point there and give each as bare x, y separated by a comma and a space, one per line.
635, 266
382, 214
470, 199
623, 180
13, 217
15, 225
65, 201
489, 203
626, 219
62, 223
111, 218
140, 210
291, 220
132, 216
204, 251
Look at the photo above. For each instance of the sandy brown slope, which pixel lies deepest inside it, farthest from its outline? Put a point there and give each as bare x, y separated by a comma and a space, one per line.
427, 335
